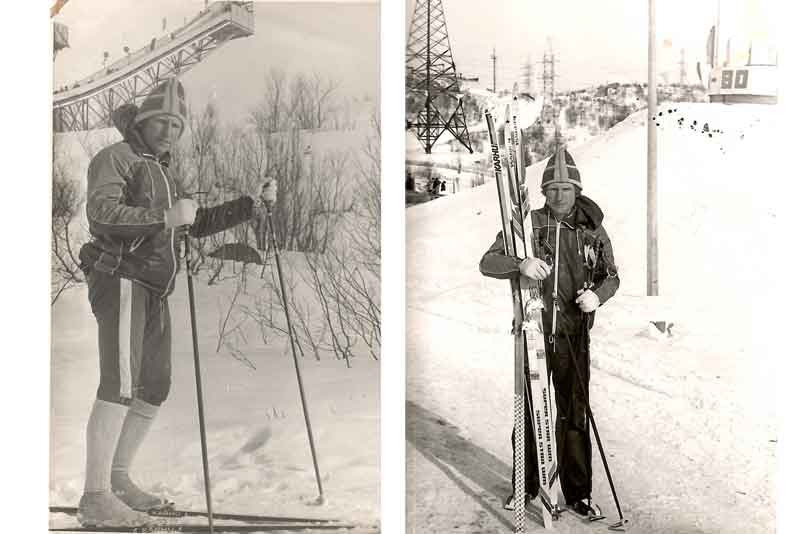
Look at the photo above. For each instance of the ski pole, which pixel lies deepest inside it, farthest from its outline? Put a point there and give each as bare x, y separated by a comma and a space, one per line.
622, 521
199, 384
271, 230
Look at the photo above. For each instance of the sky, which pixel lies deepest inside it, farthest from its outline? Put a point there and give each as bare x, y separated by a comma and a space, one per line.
594, 41
338, 39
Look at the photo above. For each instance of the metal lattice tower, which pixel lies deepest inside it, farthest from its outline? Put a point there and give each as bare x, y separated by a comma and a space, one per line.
549, 111
431, 73
87, 104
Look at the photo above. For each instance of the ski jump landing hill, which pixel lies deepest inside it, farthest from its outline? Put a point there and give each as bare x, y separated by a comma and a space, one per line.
689, 420
87, 103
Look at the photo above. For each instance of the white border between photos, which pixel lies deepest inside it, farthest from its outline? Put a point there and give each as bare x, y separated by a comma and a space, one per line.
393, 257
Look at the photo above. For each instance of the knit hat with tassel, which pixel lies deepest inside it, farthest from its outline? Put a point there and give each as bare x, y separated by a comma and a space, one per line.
561, 168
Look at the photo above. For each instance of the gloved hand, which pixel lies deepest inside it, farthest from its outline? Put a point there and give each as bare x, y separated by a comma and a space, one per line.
181, 213
587, 300
534, 268
269, 191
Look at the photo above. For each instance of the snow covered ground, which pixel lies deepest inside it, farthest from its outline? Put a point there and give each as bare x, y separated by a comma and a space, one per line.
260, 461
689, 421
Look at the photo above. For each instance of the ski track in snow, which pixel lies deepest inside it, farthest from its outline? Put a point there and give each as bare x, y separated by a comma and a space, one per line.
688, 421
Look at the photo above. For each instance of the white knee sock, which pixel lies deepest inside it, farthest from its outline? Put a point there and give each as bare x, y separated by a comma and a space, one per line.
102, 431
137, 424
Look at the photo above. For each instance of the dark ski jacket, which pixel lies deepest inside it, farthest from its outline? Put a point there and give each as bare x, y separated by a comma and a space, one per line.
128, 192
583, 248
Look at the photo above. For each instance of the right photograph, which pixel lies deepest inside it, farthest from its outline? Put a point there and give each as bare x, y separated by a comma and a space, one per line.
586, 266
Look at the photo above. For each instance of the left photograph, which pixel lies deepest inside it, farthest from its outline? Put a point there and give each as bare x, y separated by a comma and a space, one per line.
215, 266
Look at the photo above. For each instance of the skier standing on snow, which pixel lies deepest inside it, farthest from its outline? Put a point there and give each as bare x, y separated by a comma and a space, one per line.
137, 217
570, 241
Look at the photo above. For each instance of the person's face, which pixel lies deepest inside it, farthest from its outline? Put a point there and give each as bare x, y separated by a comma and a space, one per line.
560, 197
160, 132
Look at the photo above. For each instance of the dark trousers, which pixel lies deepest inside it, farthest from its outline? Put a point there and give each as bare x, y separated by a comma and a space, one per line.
134, 341
572, 423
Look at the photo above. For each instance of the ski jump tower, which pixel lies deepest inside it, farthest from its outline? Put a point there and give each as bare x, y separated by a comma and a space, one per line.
431, 72
87, 104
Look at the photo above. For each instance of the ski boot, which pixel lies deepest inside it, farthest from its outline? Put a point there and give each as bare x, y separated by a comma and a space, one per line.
104, 510
586, 509
137, 499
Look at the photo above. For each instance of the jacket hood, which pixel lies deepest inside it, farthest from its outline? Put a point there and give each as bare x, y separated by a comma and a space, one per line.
588, 213
123, 118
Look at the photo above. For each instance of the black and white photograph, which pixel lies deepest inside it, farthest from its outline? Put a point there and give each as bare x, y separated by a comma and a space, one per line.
590, 222
215, 266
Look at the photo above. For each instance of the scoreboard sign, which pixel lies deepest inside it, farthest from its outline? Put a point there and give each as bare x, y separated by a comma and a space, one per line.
755, 80
734, 79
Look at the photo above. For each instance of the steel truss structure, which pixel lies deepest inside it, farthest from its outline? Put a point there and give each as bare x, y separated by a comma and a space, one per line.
430, 71
87, 105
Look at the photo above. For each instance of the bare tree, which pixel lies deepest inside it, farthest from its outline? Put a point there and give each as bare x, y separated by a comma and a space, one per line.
66, 203
326, 220
312, 192
345, 276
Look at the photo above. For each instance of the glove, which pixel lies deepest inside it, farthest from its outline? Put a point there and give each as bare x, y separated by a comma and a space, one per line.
269, 191
181, 213
587, 300
534, 268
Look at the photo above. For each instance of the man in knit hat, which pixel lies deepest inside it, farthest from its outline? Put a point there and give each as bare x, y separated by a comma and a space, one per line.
137, 217
575, 263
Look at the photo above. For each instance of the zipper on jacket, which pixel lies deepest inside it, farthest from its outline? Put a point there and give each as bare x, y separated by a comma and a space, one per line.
171, 234
555, 281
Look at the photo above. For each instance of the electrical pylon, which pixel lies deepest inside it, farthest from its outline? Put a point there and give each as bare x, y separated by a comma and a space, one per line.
431, 73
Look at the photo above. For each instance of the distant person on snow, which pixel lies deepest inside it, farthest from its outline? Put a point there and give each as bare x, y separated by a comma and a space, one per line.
570, 241
137, 217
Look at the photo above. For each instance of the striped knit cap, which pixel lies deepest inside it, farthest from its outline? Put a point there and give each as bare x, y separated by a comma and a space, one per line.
167, 98
561, 168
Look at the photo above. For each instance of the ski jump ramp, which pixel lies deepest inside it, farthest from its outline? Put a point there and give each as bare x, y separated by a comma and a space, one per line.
87, 104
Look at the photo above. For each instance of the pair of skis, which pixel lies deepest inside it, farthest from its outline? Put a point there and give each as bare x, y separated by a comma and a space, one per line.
175, 521
517, 227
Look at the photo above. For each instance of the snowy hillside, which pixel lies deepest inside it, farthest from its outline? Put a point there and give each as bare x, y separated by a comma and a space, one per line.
689, 421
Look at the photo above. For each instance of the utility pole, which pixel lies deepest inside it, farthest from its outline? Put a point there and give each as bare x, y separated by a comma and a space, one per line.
652, 189
549, 110
493, 57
